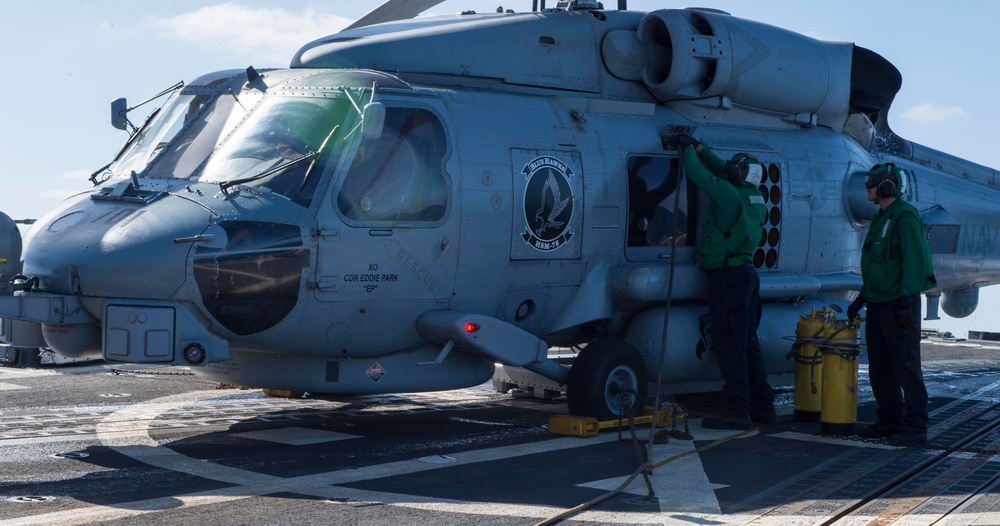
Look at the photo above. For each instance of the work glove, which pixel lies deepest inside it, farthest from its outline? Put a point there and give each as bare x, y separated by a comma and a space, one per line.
678, 140
855, 307
904, 314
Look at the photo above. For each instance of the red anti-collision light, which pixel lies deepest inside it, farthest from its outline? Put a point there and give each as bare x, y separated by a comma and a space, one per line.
471, 327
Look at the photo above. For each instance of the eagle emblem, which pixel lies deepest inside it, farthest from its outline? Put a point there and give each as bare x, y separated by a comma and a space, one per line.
551, 207
547, 213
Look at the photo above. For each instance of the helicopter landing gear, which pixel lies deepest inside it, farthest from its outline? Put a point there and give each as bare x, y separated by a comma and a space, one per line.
606, 370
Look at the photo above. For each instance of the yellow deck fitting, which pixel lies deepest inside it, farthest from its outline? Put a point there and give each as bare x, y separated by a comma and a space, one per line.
283, 393
588, 426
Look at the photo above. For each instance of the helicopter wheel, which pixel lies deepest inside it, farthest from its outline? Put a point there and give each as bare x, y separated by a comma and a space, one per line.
606, 370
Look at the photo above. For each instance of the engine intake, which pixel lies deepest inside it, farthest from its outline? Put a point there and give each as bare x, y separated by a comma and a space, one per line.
698, 53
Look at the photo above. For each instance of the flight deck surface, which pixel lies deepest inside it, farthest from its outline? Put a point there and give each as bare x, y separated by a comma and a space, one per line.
84, 445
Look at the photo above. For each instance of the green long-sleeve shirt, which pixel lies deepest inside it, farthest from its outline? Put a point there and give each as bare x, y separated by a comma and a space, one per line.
735, 217
895, 259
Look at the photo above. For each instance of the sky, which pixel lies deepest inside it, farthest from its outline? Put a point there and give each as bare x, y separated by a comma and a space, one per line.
67, 60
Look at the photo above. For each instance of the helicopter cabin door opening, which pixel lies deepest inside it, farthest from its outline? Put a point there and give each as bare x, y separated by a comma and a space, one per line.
658, 218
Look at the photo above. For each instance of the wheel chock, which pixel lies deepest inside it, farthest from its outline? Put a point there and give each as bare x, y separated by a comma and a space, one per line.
573, 426
588, 426
283, 393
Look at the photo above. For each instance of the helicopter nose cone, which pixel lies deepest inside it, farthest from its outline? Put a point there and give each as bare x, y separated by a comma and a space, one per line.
114, 249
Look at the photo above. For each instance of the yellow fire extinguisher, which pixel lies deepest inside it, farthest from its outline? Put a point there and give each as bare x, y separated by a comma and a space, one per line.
841, 350
809, 365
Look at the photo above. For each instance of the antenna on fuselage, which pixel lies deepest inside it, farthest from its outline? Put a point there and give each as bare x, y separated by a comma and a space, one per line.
583, 5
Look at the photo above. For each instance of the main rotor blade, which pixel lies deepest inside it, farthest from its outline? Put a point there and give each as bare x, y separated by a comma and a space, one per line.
393, 10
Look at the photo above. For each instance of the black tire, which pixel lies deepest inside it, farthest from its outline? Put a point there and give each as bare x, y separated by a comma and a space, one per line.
605, 370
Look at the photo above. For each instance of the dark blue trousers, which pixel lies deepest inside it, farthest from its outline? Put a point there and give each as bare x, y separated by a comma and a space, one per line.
894, 366
734, 308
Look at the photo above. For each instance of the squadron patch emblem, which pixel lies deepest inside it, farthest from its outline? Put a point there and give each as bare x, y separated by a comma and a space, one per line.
548, 203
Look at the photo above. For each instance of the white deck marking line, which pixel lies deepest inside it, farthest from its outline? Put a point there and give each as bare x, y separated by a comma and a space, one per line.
127, 431
246, 484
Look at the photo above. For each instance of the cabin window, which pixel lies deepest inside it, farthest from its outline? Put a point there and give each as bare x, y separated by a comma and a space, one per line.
653, 218
398, 178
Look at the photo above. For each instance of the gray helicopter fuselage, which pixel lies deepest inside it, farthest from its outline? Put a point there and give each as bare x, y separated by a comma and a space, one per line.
497, 211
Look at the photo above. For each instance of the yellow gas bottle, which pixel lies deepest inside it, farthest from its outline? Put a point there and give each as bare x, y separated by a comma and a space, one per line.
841, 349
809, 365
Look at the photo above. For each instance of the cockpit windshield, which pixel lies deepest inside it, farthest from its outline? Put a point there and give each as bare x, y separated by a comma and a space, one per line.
283, 133
204, 128
193, 119
263, 151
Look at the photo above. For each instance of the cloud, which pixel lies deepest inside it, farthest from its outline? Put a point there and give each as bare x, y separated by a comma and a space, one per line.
933, 114
271, 35
76, 174
58, 194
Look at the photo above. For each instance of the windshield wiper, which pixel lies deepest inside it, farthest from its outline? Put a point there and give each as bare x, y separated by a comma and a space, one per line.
312, 165
132, 136
270, 171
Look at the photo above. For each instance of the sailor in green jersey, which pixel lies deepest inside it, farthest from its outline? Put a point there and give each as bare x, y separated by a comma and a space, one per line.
730, 234
895, 268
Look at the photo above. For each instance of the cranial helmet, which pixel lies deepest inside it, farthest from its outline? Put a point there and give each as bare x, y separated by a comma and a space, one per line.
744, 167
887, 179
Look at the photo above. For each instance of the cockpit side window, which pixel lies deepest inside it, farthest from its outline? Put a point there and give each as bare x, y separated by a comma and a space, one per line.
653, 218
398, 178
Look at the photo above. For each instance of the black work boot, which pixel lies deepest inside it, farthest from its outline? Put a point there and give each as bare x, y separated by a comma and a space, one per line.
908, 436
877, 430
767, 417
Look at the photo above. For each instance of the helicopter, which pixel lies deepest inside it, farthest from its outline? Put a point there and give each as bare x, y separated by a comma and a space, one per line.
380, 217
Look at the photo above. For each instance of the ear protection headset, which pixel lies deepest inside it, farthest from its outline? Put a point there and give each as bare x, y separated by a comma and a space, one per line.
743, 167
887, 180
